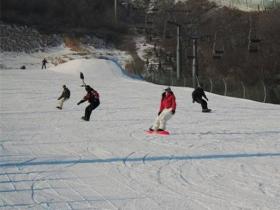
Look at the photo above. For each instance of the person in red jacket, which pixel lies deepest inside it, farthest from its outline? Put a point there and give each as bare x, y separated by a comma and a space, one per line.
166, 111
92, 97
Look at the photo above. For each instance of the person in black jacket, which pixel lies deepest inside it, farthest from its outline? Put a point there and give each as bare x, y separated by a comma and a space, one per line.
63, 97
197, 95
92, 97
44, 63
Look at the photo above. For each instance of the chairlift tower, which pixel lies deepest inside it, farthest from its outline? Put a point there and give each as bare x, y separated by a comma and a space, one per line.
194, 61
116, 11
195, 37
178, 48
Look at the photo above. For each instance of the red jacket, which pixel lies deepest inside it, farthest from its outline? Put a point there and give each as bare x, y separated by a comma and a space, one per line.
168, 101
92, 96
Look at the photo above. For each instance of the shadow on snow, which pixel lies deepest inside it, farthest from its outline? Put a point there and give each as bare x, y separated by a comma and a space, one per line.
138, 159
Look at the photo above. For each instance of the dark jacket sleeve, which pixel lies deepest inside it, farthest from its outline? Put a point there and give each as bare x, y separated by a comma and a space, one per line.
193, 93
203, 94
81, 101
61, 96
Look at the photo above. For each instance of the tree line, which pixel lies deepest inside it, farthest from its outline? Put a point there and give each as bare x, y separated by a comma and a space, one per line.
59, 14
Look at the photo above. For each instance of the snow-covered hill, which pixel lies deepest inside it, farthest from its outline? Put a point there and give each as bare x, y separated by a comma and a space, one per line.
51, 159
245, 5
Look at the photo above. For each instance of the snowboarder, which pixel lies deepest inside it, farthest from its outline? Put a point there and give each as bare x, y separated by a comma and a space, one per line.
197, 95
63, 97
166, 111
92, 97
44, 62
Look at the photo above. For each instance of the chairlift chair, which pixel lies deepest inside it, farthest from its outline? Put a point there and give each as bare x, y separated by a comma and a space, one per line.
217, 56
255, 40
217, 52
253, 49
155, 9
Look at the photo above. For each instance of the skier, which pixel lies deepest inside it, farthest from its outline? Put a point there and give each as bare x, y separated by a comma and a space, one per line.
92, 97
44, 62
63, 97
166, 111
197, 95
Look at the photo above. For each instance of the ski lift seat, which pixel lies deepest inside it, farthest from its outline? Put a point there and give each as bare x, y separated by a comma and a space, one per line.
255, 40
219, 51
217, 56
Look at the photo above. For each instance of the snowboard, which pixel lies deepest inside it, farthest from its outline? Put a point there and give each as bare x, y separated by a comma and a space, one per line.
163, 133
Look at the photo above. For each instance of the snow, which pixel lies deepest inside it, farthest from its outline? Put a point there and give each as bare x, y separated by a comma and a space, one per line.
142, 47
51, 159
243, 5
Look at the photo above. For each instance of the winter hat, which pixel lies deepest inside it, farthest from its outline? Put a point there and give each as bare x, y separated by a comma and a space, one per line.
88, 88
168, 89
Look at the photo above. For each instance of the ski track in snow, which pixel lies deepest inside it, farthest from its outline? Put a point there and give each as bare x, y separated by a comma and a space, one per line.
50, 159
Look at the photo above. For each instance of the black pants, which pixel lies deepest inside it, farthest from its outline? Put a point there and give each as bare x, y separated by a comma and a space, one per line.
202, 102
44, 66
89, 109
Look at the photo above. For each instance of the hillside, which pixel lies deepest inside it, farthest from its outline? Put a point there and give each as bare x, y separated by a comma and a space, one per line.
237, 51
234, 47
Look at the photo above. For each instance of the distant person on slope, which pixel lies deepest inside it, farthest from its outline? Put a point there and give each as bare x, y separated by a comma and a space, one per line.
63, 97
197, 95
166, 111
92, 97
44, 63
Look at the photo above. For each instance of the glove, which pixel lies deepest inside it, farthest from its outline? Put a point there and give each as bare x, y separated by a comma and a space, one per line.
193, 101
78, 103
206, 99
173, 111
159, 113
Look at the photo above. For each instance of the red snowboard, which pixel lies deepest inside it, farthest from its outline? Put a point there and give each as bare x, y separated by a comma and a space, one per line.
163, 133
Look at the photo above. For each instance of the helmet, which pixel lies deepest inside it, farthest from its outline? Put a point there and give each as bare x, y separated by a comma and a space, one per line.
88, 88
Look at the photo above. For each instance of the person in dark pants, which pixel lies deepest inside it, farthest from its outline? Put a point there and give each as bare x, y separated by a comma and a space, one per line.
65, 95
198, 95
44, 63
92, 97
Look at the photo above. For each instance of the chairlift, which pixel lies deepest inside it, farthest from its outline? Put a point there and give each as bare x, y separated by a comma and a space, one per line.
253, 48
217, 52
155, 9
217, 56
253, 40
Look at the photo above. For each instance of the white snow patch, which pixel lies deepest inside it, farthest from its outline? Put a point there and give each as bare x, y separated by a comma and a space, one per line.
50, 159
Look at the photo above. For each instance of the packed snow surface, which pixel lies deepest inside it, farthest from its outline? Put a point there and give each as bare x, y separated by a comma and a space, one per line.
51, 159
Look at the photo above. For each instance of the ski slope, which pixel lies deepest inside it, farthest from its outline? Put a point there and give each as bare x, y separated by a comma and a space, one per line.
51, 159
